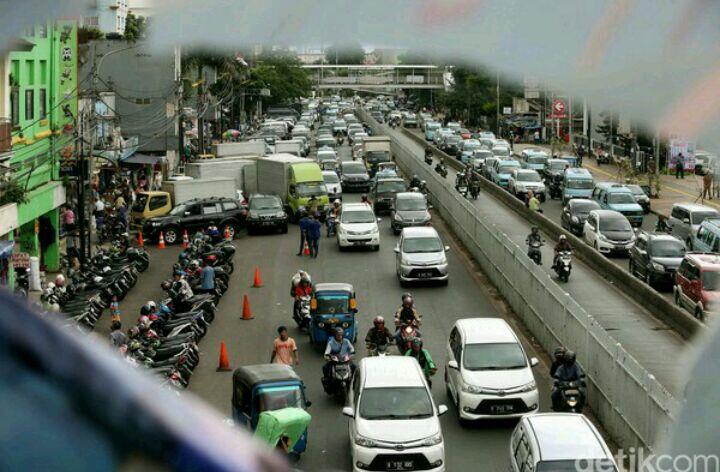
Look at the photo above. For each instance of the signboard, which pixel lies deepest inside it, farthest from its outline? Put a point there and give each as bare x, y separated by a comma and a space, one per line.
532, 88
687, 148
507, 110
20, 260
64, 109
558, 107
520, 105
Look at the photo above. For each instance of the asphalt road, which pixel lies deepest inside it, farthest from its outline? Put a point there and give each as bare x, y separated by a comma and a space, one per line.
373, 276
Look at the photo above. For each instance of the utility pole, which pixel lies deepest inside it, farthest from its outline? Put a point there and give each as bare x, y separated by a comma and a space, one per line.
497, 103
200, 119
80, 171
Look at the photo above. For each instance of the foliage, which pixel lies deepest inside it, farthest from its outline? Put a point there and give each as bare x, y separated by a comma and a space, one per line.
12, 192
88, 33
604, 127
135, 27
345, 53
282, 74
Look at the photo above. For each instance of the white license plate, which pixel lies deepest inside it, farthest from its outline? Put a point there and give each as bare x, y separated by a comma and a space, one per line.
425, 275
399, 465
498, 409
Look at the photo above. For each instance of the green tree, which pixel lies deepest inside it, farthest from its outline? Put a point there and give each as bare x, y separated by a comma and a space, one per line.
345, 53
135, 27
280, 72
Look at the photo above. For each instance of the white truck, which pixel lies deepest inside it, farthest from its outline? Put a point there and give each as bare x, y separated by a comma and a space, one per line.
243, 148
288, 147
184, 190
376, 149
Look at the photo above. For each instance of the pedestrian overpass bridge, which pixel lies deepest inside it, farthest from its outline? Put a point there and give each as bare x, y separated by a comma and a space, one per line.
376, 77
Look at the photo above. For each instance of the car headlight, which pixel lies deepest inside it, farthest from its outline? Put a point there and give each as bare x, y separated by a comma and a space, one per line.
471, 389
602, 237
433, 440
397, 217
363, 441
280, 214
658, 267
575, 219
529, 387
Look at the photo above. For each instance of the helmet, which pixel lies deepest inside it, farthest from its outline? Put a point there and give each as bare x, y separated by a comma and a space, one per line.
179, 272
60, 280
407, 301
336, 202
152, 305
378, 320
559, 352
405, 295
570, 357
339, 331
535, 229
414, 177
211, 259
563, 237
145, 310
194, 264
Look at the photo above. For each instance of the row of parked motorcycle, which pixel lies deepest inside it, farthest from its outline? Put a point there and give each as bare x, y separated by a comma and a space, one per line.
166, 336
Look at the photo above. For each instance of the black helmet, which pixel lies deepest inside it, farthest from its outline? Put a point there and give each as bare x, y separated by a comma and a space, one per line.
535, 229
570, 357
405, 295
559, 352
146, 310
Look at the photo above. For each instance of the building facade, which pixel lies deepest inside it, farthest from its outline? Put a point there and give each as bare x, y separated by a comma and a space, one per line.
108, 16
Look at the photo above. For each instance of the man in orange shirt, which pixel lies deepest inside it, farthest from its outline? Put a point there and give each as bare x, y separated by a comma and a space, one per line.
284, 349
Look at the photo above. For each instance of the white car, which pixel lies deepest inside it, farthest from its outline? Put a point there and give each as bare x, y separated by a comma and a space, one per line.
523, 180
325, 154
332, 182
394, 422
488, 374
358, 227
608, 231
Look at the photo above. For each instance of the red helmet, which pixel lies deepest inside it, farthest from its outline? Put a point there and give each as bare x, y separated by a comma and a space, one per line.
211, 258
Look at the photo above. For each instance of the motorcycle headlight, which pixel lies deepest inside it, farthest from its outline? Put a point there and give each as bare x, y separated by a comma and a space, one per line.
345, 325
433, 440
321, 325
364, 442
572, 401
529, 387
658, 267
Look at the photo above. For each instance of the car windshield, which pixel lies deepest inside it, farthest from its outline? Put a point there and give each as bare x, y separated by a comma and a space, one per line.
583, 208
506, 169
453, 139
331, 304
471, 146
493, 356
331, 178
711, 280
528, 177
410, 204
636, 189
140, 202
586, 184
358, 216
483, 154
179, 210
589, 465
700, 216
615, 223
392, 403
419, 245
668, 249
310, 189
374, 157
277, 398
265, 203
557, 165
353, 168
537, 160
620, 198
387, 186
504, 152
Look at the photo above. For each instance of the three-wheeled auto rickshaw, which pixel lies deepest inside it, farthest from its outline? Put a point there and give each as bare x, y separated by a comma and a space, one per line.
332, 306
267, 387
286, 426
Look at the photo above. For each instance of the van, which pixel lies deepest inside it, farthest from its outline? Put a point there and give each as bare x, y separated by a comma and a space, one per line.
394, 422
150, 204
558, 441
707, 238
420, 256
577, 183
617, 197
685, 219
430, 128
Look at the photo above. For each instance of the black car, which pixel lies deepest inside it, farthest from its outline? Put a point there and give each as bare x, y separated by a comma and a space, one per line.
266, 212
354, 176
196, 215
656, 257
641, 197
383, 193
451, 144
575, 213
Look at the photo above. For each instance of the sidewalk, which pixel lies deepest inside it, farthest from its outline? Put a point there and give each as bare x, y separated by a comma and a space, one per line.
672, 190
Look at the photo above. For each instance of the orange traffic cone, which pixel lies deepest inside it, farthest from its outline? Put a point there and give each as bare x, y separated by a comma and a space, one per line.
258, 281
246, 313
161, 241
224, 363
141, 243
306, 249
186, 242
227, 235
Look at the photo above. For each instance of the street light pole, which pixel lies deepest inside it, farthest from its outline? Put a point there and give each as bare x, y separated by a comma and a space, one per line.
497, 103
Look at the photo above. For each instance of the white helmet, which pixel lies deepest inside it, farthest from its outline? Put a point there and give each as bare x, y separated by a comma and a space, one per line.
60, 280
563, 237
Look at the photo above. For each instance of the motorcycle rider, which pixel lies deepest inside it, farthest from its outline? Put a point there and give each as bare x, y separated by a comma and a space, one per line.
378, 335
569, 371
332, 216
423, 357
534, 237
440, 166
406, 315
428, 154
302, 289
415, 181
562, 246
460, 181
364, 199
338, 347
558, 359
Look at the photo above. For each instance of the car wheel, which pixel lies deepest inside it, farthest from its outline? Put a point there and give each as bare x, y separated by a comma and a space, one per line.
171, 235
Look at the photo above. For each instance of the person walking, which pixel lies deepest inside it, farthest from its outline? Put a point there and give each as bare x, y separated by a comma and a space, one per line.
284, 349
536, 135
117, 337
314, 230
715, 168
207, 278
304, 226
68, 219
707, 184
680, 167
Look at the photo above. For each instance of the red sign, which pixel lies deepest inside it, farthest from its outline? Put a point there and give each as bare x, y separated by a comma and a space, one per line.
20, 260
558, 107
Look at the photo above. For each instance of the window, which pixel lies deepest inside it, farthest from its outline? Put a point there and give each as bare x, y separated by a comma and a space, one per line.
676, 213
693, 272
29, 104
30, 72
454, 340
43, 72
229, 206
158, 202
42, 103
43, 31
211, 208
15, 107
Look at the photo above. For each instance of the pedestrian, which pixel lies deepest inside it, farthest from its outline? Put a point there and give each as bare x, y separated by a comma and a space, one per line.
304, 226
528, 197
680, 167
534, 204
117, 337
68, 219
207, 278
537, 137
99, 213
707, 184
284, 349
716, 178
314, 230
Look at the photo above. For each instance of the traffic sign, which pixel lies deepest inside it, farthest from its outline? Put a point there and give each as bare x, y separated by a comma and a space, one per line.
558, 107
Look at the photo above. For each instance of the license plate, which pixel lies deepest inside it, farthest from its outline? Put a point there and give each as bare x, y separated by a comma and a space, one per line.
499, 409
359, 243
400, 465
424, 275
267, 223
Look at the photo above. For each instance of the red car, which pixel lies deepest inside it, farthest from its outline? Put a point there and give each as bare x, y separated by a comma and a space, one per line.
697, 284
465, 133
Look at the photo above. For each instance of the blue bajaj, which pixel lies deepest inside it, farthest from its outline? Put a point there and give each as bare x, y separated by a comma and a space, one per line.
332, 306
267, 387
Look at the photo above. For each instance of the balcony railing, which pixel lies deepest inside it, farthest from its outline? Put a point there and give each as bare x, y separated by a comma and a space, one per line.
5, 135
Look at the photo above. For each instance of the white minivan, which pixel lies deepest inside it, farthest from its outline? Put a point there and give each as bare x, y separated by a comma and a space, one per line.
394, 422
547, 442
488, 374
358, 227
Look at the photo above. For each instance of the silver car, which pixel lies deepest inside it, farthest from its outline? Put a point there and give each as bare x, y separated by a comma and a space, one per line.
409, 209
420, 256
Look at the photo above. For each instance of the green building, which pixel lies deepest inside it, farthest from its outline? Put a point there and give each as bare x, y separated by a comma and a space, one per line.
42, 101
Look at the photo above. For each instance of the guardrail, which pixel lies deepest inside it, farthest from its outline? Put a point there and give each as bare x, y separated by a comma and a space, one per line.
632, 405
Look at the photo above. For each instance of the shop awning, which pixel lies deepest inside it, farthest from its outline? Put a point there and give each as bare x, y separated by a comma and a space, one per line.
6, 249
143, 159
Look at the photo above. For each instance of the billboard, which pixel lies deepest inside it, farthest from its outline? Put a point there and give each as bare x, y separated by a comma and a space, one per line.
686, 148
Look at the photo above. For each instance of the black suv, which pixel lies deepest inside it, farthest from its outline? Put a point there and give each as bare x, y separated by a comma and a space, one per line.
266, 211
383, 193
196, 215
656, 257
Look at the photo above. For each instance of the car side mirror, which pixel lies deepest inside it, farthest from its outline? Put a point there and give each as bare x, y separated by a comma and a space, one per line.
397, 249
442, 409
686, 221
348, 411
453, 364
534, 361
379, 220
447, 248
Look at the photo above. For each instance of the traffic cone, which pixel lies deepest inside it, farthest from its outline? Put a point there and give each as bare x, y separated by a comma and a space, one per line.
186, 242
224, 363
161, 241
227, 235
141, 242
246, 313
306, 249
257, 283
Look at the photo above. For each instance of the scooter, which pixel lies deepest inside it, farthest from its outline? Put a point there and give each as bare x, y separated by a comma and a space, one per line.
534, 252
338, 384
463, 190
377, 350
554, 187
441, 169
572, 397
428, 158
407, 334
330, 223
301, 315
563, 265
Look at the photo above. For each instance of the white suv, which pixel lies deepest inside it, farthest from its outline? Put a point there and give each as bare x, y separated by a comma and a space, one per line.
488, 374
358, 226
394, 422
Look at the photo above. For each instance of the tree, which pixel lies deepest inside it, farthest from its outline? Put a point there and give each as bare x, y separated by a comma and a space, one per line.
279, 71
605, 129
347, 53
135, 27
